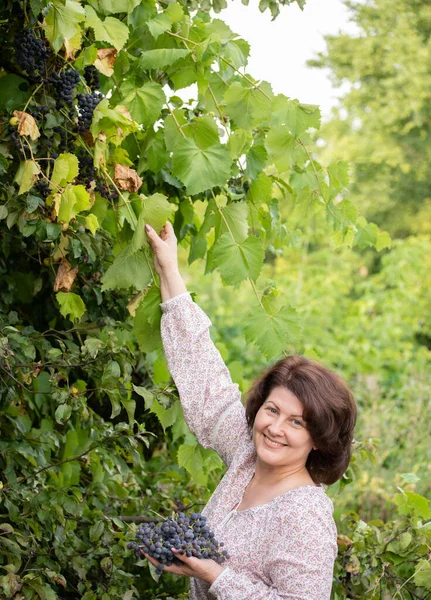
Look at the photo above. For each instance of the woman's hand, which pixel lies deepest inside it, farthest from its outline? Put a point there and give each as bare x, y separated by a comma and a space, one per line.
200, 568
164, 247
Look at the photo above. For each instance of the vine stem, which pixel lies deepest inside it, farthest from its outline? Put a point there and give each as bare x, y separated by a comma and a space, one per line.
32, 96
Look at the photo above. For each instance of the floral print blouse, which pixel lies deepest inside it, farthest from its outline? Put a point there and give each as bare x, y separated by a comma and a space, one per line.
282, 550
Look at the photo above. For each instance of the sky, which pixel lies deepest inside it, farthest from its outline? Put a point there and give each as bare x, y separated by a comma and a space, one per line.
280, 48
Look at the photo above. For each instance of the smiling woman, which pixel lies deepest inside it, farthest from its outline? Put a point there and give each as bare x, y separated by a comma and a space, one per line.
270, 509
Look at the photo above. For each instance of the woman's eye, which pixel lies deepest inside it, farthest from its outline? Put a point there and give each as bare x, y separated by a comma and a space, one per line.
296, 422
271, 409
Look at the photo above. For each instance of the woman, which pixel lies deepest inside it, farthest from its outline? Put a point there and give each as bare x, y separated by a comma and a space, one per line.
294, 435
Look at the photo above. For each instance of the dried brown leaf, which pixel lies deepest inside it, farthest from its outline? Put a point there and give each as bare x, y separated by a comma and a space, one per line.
26, 124
65, 276
126, 178
105, 60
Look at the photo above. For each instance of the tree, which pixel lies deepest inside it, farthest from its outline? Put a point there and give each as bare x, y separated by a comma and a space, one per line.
382, 126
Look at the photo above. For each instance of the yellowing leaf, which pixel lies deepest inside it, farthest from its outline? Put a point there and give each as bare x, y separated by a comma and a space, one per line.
26, 175
71, 305
62, 21
73, 200
65, 170
105, 60
126, 178
26, 125
92, 223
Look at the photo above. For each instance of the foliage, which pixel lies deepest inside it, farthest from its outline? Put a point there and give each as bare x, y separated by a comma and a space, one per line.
382, 124
92, 434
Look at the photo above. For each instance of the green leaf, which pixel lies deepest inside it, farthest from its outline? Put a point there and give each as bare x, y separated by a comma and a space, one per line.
383, 240
273, 334
238, 261
144, 103
116, 123
248, 106
422, 575
110, 30
410, 503
62, 21
73, 200
239, 143
63, 413
14, 92
281, 146
190, 458
146, 324
26, 175
96, 530
260, 190
166, 416
203, 130
71, 305
65, 170
156, 210
199, 169
297, 117
108, 7
92, 223
162, 57
129, 270
161, 23
232, 218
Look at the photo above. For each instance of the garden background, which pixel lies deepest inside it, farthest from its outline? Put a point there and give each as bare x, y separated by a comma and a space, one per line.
295, 237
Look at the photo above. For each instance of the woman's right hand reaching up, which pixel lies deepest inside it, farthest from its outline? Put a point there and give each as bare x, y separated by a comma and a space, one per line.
164, 248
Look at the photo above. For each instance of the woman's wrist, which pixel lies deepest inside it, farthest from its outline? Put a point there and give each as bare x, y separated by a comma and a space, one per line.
213, 574
171, 284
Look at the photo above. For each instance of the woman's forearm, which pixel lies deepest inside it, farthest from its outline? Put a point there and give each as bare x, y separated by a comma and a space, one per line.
171, 284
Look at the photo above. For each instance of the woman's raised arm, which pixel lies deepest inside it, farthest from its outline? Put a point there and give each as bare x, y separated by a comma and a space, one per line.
211, 402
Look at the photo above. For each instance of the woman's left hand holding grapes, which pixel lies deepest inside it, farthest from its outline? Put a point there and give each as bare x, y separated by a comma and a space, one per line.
200, 568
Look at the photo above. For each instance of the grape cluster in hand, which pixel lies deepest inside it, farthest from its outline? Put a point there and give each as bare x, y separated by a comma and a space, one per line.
188, 534
91, 76
87, 103
31, 54
64, 84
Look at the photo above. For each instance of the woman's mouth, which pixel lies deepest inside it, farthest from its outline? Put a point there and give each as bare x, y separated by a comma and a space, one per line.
272, 444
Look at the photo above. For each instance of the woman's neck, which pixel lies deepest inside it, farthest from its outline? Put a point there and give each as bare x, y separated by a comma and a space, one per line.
267, 476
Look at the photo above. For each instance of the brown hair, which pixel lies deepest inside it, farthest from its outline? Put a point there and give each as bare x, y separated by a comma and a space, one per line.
329, 411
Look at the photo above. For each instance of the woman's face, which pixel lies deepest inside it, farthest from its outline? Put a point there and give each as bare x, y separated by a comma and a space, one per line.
279, 433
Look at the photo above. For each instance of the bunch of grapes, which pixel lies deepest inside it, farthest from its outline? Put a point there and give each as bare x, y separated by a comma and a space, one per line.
91, 76
64, 83
43, 188
188, 534
87, 172
31, 54
106, 191
87, 103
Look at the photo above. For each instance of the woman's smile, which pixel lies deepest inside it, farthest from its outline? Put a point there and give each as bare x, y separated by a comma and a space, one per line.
272, 444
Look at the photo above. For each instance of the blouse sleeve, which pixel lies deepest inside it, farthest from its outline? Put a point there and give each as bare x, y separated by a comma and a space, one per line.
211, 402
300, 564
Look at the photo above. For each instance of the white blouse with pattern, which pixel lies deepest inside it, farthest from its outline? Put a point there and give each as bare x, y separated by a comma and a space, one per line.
282, 550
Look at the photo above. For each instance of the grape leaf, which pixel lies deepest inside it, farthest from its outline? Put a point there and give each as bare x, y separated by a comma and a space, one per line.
166, 416
110, 30
62, 21
145, 102
161, 23
272, 334
203, 130
233, 218
422, 575
297, 117
73, 200
71, 305
239, 143
26, 175
248, 106
190, 458
65, 169
114, 123
92, 223
162, 57
108, 7
129, 269
156, 210
200, 169
146, 324
260, 190
281, 146
238, 261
